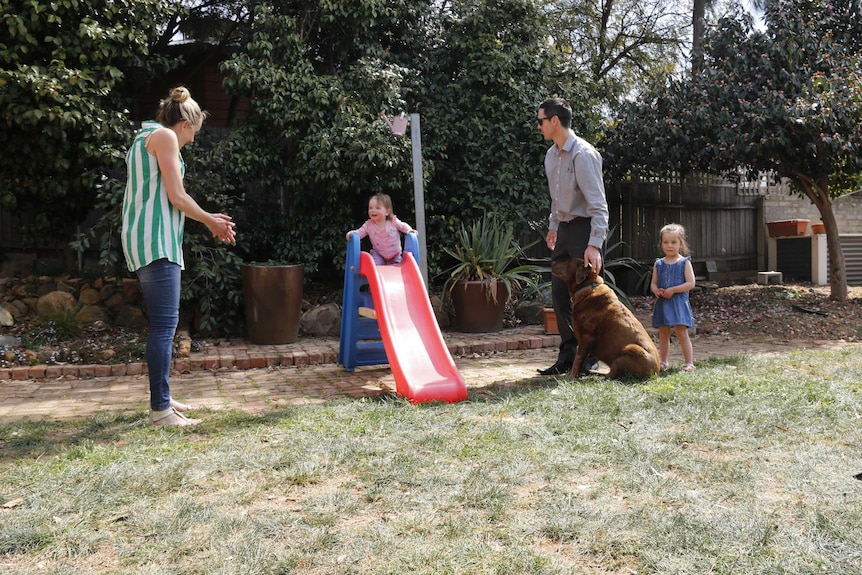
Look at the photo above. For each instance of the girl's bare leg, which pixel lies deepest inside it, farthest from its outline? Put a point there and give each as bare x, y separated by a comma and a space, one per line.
685, 343
663, 345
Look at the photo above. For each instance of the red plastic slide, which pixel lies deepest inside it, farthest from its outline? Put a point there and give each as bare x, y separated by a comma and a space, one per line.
420, 361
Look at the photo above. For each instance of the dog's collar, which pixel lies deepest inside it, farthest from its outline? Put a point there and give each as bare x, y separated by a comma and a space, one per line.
593, 285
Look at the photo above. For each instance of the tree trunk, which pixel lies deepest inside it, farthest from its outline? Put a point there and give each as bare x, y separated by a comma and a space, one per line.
837, 268
698, 19
818, 192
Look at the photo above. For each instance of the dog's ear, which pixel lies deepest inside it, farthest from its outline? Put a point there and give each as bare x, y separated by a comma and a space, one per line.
581, 273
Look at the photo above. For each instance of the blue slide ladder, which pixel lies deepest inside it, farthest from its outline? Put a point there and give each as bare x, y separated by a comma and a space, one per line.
361, 342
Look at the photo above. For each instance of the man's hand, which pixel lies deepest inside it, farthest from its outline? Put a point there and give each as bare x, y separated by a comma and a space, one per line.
551, 239
593, 257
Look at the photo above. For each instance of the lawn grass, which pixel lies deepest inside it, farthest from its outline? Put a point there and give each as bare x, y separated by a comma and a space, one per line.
745, 466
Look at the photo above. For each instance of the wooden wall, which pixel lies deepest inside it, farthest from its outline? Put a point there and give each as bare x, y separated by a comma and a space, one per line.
722, 221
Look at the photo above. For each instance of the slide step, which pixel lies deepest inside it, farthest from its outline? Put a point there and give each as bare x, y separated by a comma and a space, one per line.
368, 312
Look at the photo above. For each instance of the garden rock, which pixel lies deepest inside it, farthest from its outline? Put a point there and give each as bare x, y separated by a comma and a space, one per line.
183, 343
131, 291
115, 302
105, 355
46, 287
322, 320
530, 313
130, 316
6, 319
55, 302
17, 308
106, 291
66, 286
93, 314
89, 296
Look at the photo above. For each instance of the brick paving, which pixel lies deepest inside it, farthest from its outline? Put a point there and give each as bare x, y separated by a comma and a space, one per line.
238, 375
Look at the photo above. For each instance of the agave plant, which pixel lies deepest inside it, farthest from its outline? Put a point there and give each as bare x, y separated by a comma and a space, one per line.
614, 263
487, 251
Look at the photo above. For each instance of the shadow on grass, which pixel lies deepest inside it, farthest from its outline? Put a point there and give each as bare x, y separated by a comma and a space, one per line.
40, 438
509, 390
31, 439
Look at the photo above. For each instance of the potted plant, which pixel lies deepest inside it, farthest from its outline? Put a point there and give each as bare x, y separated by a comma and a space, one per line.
272, 287
486, 272
273, 301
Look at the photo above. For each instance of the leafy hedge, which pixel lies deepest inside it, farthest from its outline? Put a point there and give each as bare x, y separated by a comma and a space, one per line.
312, 149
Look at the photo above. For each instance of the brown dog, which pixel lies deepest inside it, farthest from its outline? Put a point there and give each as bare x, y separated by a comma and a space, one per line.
603, 325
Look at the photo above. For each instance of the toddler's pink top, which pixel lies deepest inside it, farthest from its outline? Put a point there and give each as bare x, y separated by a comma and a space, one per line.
385, 239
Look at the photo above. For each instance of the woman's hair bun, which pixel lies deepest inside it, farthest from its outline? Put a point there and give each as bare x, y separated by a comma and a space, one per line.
180, 94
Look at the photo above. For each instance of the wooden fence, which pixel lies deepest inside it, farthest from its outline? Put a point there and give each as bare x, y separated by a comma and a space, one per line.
723, 221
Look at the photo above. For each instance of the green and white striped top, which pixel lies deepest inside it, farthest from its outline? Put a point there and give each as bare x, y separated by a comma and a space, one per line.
152, 226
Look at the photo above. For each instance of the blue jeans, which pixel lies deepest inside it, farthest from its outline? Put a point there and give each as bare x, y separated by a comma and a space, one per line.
160, 284
378, 259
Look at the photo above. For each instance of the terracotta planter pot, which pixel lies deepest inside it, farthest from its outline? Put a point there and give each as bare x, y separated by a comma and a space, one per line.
786, 228
273, 302
474, 312
818, 229
550, 321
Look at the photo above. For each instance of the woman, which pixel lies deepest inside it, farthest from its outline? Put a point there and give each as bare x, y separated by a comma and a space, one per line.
154, 209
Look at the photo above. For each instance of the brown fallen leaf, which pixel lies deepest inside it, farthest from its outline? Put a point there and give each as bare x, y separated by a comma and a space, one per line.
12, 503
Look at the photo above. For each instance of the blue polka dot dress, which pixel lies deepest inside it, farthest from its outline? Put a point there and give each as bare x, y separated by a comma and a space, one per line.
677, 309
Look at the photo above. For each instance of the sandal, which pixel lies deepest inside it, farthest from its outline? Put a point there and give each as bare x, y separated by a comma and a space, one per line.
688, 367
172, 417
181, 407
662, 365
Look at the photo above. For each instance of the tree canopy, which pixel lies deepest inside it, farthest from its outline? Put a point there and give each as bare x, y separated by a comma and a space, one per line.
615, 46
481, 83
785, 99
317, 74
65, 73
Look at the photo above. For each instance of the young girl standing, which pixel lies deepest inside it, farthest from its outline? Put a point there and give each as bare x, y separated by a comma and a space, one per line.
382, 228
672, 279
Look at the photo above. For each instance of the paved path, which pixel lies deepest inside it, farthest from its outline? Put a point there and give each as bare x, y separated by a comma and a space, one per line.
236, 375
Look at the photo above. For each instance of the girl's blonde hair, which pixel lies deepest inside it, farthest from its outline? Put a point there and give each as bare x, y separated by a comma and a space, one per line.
679, 232
385, 201
179, 106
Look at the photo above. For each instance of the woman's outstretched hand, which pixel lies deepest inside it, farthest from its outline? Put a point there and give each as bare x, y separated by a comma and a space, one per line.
223, 228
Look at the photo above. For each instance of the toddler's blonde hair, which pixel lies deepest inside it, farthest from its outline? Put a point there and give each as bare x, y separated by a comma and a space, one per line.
385, 201
679, 232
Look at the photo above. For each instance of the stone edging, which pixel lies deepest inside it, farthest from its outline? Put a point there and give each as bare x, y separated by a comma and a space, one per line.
239, 354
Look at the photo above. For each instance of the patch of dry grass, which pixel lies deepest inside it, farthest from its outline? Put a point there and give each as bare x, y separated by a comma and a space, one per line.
744, 466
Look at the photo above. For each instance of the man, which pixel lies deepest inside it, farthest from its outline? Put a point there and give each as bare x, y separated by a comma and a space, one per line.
578, 222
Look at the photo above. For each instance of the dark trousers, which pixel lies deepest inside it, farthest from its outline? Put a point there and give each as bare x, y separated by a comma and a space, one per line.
572, 240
